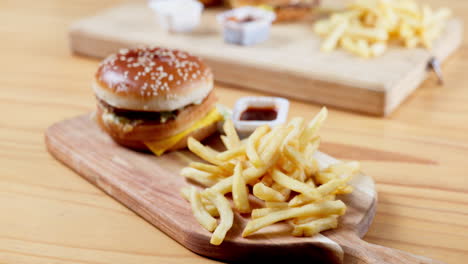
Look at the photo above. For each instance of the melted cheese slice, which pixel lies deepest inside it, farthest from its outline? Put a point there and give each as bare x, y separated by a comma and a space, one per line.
161, 146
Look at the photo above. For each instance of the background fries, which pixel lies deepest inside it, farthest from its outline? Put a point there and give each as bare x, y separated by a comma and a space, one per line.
280, 166
367, 26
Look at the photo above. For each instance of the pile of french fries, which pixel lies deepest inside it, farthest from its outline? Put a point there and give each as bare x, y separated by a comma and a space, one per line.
279, 167
368, 26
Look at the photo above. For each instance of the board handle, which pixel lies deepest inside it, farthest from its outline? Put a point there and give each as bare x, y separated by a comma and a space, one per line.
358, 251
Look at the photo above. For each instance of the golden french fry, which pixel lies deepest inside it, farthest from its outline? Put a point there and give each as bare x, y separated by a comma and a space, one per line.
203, 152
230, 130
295, 185
349, 168
267, 180
292, 138
375, 23
363, 33
226, 142
316, 226
344, 190
261, 212
295, 156
215, 170
324, 177
226, 216
378, 49
231, 153
210, 208
281, 205
325, 208
240, 193
269, 157
275, 163
303, 220
202, 177
313, 127
266, 193
324, 190
253, 142
299, 174
332, 40
331, 186
284, 191
312, 147
286, 165
311, 182
199, 211
265, 140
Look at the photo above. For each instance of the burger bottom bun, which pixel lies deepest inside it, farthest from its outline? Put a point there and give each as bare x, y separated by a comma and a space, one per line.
198, 134
148, 131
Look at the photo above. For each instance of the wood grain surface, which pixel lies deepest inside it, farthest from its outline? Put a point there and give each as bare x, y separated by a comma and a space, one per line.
417, 155
288, 64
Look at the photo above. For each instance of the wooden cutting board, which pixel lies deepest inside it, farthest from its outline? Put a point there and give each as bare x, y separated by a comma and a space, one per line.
289, 64
150, 186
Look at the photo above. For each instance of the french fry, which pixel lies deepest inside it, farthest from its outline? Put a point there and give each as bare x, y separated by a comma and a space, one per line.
284, 191
199, 211
325, 208
324, 177
210, 208
209, 168
226, 216
332, 40
261, 212
203, 152
313, 127
299, 174
202, 177
265, 140
275, 162
240, 193
295, 156
286, 165
266, 193
230, 130
303, 220
226, 142
292, 138
295, 185
281, 205
350, 168
324, 190
267, 180
316, 226
231, 153
372, 24
252, 144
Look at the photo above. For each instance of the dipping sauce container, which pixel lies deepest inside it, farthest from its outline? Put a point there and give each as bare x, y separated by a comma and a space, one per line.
177, 16
252, 112
246, 25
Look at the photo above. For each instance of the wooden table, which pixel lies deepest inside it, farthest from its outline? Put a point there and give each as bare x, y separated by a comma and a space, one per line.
418, 156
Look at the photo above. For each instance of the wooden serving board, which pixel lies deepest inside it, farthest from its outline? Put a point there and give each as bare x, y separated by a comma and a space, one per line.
151, 185
289, 64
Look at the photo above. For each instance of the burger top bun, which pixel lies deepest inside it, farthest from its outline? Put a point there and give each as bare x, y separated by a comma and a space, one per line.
152, 79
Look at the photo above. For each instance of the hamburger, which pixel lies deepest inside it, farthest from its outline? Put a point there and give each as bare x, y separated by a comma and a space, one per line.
286, 10
155, 99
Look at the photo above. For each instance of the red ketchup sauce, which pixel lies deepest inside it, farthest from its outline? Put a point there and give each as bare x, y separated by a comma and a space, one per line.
259, 114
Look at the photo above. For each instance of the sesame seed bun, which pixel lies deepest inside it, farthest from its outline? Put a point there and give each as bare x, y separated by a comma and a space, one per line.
152, 79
